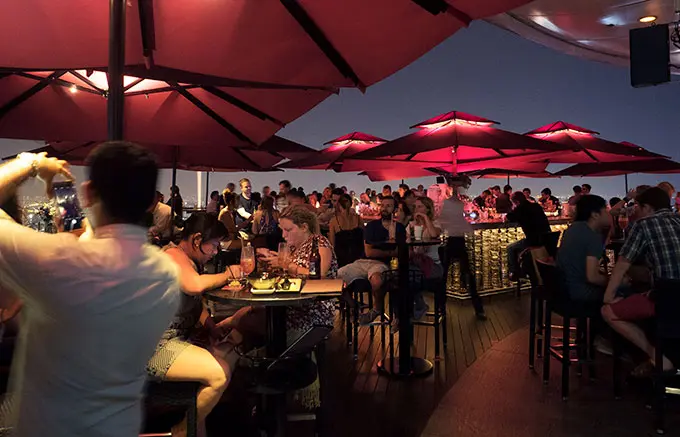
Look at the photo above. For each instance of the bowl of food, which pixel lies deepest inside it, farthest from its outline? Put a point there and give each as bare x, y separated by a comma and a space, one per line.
263, 282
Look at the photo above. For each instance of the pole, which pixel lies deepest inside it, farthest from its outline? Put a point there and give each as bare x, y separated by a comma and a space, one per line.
625, 178
174, 180
207, 187
199, 181
508, 179
116, 66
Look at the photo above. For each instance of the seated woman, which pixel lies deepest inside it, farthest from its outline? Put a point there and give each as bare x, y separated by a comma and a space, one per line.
176, 357
266, 223
300, 229
228, 218
403, 214
344, 219
426, 258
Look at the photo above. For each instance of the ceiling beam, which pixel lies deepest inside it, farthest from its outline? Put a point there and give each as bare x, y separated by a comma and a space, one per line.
35, 89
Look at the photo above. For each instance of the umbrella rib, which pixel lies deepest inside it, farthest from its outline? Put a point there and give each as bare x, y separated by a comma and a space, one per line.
436, 7
132, 84
164, 89
210, 113
242, 105
87, 81
247, 158
147, 28
318, 37
35, 89
61, 82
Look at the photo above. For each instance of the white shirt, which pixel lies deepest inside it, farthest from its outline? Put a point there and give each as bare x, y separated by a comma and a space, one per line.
93, 314
452, 218
162, 220
212, 207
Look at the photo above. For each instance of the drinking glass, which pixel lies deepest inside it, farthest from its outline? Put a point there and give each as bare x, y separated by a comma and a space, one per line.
284, 257
247, 260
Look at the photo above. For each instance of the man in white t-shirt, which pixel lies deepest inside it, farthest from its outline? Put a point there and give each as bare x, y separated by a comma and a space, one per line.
94, 309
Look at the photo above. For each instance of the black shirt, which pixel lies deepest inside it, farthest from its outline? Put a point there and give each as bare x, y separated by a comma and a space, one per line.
480, 201
532, 220
250, 205
503, 204
375, 234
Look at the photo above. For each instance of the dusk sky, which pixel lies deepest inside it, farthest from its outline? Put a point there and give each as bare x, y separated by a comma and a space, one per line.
485, 71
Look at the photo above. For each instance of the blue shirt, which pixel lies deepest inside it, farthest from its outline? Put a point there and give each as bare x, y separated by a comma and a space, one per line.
376, 234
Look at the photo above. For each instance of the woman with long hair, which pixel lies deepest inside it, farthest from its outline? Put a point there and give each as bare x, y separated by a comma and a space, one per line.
266, 223
344, 219
177, 356
228, 218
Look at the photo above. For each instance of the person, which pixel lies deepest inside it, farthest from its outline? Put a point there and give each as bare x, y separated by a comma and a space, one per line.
503, 202
410, 199
403, 215
668, 188
227, 217
266, 191
578, 192
453, 223
480, 201
586, 189
366, 207
376, 233
582, 247
677, 202
161, 226
403, 188
281, 200
548, 201
213, 206
246, 206
176, 202
313, 200
534, 224
425, 258
387, 191
327, 214
178, 356
230, 188
527, 194
420, 191
266, 222
297, 198
654, 238
344, 218
94, 308
616, 231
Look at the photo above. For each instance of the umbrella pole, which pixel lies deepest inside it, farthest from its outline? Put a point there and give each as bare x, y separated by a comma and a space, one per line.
116, 67
207, 189
625, 179
508, 179
174, 179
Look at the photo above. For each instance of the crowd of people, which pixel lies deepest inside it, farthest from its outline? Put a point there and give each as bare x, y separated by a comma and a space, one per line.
103, 311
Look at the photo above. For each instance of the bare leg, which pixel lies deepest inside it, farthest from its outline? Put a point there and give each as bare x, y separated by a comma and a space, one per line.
632, 333
378, 292
197, 364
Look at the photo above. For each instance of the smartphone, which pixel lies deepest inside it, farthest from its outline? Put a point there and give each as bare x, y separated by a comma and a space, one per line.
68, 207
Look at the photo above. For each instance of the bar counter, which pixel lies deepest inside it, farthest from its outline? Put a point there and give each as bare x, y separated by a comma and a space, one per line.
487, 249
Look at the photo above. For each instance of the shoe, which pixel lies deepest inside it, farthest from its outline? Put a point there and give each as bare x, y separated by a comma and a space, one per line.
367, 318
420, 312
481, 316
394, 325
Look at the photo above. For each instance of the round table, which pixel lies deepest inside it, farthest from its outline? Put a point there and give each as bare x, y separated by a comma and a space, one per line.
275, 306
405, 365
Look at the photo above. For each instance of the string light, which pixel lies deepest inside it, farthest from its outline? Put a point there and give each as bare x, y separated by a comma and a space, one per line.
73, 89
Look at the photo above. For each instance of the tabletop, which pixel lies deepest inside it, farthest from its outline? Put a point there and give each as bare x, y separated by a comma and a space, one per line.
313, 290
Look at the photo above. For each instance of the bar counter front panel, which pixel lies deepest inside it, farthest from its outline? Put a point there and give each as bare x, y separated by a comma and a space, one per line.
487, 248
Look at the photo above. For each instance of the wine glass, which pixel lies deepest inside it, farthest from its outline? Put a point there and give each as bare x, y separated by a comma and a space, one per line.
284, 255
247, 260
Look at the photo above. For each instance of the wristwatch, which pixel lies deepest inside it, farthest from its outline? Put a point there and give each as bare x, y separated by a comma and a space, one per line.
33, 158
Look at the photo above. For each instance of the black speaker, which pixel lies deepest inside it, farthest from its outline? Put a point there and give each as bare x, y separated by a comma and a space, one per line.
649, 56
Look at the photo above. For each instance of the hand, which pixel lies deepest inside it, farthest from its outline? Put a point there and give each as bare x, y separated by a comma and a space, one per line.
609, 301
631, 194
48, 168
272, 260
234, 272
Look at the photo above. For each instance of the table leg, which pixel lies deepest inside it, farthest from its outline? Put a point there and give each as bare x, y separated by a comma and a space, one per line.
277, 338
405, 365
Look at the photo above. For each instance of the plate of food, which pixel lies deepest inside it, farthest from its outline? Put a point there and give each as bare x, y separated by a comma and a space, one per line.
233, 285
263, 285
289, 285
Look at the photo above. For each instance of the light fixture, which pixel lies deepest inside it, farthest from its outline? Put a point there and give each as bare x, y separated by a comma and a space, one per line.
647, 19
73, 89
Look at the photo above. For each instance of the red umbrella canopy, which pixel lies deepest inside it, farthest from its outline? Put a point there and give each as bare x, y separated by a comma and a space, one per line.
586, 146
199, 158
658, 166
71, 105
454, 137
316, 42
340, 149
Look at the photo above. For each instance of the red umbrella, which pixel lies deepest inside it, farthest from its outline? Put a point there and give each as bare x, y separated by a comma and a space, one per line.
656, 166
71, 105
531, 170
340, 149
586, 146
454, 138
332, 43
200, 158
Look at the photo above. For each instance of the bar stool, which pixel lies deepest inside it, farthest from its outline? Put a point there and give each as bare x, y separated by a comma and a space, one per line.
557, 301
172, 400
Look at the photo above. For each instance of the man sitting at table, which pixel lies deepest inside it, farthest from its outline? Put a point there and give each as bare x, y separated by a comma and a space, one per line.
534, 223
377, 259
655, 237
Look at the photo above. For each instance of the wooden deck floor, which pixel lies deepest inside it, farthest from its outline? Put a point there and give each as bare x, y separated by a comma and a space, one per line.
359, 401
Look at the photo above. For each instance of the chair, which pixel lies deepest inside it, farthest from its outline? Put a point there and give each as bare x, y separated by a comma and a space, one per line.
557, 301
537, 305
548, 242
456, 250
666, 295
166, 403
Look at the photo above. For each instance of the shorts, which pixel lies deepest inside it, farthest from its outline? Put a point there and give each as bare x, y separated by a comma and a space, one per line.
361, 269
634, 308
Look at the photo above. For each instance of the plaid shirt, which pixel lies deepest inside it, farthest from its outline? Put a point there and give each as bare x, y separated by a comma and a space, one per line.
657, 238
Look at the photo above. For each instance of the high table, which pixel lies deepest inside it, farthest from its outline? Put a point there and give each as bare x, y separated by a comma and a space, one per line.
405, 365
275, 306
